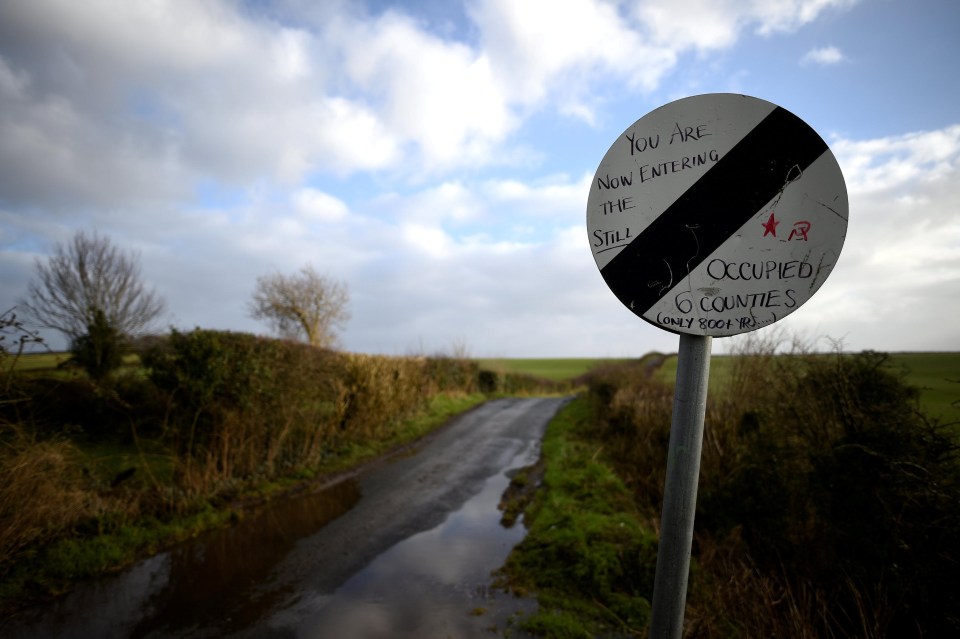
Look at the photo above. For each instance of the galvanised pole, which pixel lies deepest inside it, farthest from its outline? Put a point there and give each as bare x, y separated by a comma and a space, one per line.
680, 489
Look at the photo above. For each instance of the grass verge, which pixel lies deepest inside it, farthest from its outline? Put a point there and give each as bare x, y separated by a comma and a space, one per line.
53, 569
587, 555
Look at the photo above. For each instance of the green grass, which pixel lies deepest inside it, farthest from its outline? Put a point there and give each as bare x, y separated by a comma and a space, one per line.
555, 369
106, 460
937, 375
49, 365
33, 362
54, 568
587, 556
720, 367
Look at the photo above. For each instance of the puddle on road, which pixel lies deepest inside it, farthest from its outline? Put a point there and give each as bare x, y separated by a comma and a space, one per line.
192, 583
433, 584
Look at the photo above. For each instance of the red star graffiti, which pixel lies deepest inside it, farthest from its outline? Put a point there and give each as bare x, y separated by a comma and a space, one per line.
770, 226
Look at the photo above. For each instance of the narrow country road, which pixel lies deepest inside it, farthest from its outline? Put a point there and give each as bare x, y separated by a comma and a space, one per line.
404, 549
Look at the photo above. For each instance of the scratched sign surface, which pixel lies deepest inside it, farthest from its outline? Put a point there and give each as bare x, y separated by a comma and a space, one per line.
717, 214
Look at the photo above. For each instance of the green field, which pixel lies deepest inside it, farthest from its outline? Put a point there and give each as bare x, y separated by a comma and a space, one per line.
41, 361
557, 369
47, 363
937, 375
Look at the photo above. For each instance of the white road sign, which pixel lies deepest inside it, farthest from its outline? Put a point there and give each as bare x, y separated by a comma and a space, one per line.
717, 214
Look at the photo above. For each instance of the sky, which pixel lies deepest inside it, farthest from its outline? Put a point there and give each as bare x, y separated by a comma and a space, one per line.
436, 156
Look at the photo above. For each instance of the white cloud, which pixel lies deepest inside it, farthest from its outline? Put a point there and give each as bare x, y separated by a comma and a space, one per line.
543, 53
55, 154
426, 240
440, 94
540, 49
447, 202
888, 164
291, 55
494, 208
824, 56
559, 198
683, 24
714, 24
790, 15
153, 97
319, 206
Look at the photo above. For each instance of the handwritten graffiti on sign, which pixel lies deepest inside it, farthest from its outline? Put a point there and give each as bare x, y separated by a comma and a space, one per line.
800, 230
716, 214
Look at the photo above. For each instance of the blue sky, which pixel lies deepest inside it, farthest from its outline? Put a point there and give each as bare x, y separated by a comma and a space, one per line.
436, 156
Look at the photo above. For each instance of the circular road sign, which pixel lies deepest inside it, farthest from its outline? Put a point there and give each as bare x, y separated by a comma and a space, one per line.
717, 214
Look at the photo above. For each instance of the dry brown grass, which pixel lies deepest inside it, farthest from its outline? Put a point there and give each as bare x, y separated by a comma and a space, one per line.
241, 409
42, 491
733, 597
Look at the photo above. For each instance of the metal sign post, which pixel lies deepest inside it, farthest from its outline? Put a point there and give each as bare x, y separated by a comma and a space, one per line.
712, 216
680, 489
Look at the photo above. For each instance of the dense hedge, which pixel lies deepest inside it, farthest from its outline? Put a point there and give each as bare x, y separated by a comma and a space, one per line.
208, 414
238, 405
828, 502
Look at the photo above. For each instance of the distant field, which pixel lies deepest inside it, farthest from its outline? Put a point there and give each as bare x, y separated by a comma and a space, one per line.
554, 369
47, 363
930, 372
41, 361
937, 375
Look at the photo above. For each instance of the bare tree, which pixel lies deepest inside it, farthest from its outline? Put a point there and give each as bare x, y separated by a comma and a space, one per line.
304, 305
87, 276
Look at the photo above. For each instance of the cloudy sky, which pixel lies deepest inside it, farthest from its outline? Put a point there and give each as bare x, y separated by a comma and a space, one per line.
437, 155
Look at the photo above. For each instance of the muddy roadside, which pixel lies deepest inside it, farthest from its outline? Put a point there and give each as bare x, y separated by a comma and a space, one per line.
276, 570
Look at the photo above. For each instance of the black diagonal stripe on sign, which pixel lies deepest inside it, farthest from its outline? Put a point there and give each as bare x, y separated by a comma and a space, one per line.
775, 152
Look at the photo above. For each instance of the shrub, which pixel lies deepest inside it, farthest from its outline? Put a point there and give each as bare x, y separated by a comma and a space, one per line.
521, 384
635, 411
14, 339
451, 374
100, 351
488, 381
240, 406
884, 485
825, 495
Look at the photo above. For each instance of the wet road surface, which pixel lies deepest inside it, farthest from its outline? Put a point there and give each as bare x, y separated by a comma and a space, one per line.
404, 549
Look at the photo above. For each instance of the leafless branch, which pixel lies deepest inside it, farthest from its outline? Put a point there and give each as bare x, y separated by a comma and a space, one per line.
89, 274
304, 305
